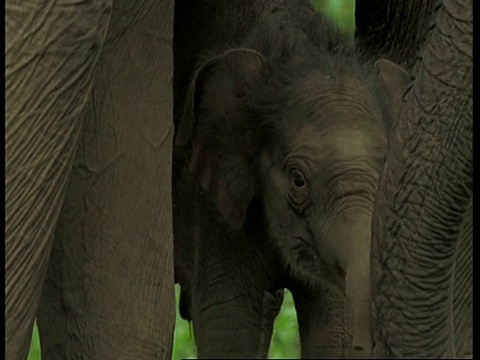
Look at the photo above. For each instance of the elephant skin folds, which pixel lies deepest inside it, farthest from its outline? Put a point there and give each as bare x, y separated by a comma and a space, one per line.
89, 89
422, 229
50, 57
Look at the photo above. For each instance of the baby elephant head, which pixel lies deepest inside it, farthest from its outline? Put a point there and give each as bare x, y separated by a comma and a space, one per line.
310, 141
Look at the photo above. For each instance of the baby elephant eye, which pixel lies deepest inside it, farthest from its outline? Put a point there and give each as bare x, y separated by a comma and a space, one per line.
298, 195
297, 179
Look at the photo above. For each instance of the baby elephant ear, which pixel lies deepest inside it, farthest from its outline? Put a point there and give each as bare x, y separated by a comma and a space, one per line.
396, 80
216, 131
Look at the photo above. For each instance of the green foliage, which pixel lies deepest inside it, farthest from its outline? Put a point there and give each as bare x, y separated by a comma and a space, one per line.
183, 343
34, 353
342, 11
285, 340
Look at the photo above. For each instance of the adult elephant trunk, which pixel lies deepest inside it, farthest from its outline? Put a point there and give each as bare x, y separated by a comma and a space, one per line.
424, 203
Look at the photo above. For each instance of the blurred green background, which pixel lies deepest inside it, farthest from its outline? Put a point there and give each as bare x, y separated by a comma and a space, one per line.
285, 341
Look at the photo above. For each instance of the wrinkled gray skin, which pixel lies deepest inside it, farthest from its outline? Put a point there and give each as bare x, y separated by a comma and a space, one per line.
422, 244
286, 134
88, 176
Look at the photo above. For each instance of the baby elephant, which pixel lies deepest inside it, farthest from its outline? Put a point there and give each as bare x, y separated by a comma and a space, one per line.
281, 133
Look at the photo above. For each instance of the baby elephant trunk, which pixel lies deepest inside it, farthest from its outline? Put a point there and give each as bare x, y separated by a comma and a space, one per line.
354, 258
358, 293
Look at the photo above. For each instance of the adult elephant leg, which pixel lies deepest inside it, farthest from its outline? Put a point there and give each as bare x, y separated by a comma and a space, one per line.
424, 196
51, 52
323, 322
109, 292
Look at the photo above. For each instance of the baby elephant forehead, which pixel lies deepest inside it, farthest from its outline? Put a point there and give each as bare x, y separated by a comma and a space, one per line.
362, 143
339, 142
345, 87
330, 103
